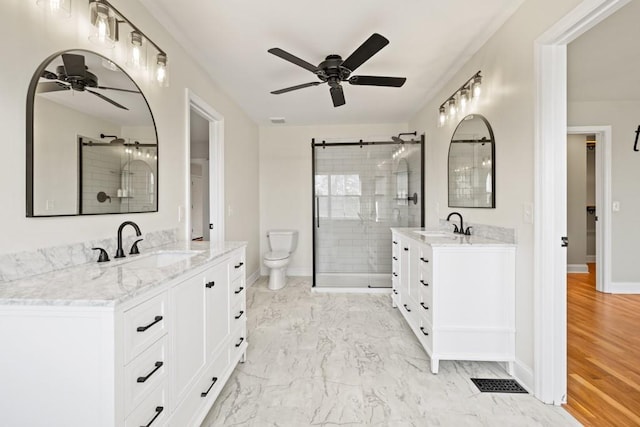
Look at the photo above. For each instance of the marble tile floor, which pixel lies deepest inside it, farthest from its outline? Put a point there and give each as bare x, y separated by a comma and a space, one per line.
326, 359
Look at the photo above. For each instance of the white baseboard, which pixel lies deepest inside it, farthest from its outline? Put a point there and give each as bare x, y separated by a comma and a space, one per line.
524, 375
251, 279
591, 258
577, 268
624, 288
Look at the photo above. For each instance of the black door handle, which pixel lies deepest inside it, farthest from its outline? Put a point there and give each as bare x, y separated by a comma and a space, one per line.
239, 314
423, 332
214, 380
424, 283
144, 328
210, 284
158, 365
239, 290
239, 265
424, 306
407, 308
240, 342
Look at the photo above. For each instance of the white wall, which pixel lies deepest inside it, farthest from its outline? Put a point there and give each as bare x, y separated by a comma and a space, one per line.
286, 182
35, 36
507, 101
577, 199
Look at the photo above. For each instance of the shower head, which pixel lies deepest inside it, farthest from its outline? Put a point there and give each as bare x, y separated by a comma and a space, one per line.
400, 140
115, 139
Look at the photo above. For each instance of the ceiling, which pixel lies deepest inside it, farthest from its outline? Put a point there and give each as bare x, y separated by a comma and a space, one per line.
429, 41
603, 64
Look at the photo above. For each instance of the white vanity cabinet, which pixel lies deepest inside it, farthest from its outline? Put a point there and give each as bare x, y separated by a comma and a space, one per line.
458, 296
157, 359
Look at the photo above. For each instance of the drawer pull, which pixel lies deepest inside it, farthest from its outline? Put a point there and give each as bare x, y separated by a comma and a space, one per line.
424, 260
424, 283
144, 328
210, 284
158, 365
395, 292
214, 380
395, 274
395, 243
159, 410
239, 314
239, 290
239, 265
240, 342
407, 308
406, 249
395, 258
423, 331
424, 306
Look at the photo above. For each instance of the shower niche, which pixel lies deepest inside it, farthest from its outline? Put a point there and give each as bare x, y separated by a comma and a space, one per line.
361, 189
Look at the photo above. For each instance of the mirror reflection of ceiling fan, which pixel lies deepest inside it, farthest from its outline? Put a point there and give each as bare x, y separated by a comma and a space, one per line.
334, 70
75, 75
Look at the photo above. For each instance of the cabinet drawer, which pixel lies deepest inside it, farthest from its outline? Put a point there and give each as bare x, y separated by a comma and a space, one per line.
207, 387
409, 309
153, 411
238, 314
236, 266
143, 325
144, 373
425, 334
238, 291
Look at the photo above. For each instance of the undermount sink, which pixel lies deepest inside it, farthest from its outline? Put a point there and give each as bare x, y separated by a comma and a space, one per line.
160, 259
433, 233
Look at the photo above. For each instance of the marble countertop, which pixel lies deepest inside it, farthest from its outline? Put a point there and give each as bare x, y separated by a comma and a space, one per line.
439, 237
111, 283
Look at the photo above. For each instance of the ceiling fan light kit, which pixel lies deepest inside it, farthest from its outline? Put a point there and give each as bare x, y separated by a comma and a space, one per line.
459, 100
334, 70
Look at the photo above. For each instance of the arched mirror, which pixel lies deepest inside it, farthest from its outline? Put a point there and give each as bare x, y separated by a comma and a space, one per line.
471, 164
92, 146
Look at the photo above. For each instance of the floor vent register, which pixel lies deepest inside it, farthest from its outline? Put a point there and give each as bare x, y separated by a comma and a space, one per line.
492, 385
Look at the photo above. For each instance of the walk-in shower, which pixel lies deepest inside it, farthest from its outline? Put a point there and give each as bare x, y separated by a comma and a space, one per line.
361, 189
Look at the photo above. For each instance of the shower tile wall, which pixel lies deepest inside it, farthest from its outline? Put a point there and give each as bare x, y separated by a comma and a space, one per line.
355, 238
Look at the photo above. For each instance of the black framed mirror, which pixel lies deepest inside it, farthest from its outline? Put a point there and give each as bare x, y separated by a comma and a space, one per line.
92, 144
471, 164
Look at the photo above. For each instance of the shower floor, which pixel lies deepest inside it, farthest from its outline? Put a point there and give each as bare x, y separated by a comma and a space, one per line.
353, 280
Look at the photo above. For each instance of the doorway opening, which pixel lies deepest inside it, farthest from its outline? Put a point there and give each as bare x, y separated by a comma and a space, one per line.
205, 191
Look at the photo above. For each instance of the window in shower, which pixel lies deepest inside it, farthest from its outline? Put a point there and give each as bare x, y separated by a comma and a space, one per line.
361, 190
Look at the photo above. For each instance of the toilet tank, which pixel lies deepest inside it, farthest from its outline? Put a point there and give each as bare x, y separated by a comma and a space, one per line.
283, 240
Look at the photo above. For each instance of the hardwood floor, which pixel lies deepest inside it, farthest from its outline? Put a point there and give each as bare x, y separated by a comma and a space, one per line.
603, 344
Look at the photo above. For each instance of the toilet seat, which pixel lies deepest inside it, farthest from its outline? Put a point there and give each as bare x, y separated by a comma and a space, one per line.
276, 255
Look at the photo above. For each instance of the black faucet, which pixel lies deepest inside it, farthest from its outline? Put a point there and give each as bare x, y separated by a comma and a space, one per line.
120, 252
455, 227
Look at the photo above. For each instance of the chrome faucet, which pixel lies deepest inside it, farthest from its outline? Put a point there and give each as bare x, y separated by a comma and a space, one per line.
460, 230
120, 252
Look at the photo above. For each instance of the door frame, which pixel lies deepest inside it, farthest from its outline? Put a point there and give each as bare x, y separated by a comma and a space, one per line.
550, 170
216, 164
603, 198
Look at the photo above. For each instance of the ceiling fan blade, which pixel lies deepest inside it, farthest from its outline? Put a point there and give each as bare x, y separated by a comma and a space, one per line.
111, 101
377, 81
115, 88
49, 75
293, 59
289, 89
51, 87
337, 96
366, 50
74, 65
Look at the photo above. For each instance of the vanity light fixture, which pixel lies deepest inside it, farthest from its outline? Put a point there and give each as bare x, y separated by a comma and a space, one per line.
450, 108
56, 7
106, 21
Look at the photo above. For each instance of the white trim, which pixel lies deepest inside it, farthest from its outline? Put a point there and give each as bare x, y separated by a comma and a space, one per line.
591, 259
625, 287
550, 321
524, 375
253, 278
577, 268
216, 164
604, 142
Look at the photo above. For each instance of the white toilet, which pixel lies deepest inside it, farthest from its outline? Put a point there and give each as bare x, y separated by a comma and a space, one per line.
282, 243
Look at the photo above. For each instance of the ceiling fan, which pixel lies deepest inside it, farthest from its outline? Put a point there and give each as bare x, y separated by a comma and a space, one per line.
75, 75
334, 70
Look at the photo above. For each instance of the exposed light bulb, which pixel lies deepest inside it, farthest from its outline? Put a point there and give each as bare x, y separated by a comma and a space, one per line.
161, 69
137, 51
464, 99
442, 115
102, 26
477, 86
452, 107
